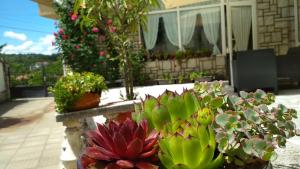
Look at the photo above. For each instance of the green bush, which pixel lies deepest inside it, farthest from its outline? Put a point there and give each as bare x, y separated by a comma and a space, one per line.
71, 87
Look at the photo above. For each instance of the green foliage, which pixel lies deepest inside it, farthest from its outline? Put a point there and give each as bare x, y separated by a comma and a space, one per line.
26, 69
118, 22
196, 75
188, 140
71, 87
81, 46
246, 127
190, 145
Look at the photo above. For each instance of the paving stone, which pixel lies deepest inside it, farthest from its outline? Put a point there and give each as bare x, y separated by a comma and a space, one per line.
29, 150
49, 161
3, 164
27, 156
9, 146
53, 152
50, 167
24, 164
34, 143
6, 155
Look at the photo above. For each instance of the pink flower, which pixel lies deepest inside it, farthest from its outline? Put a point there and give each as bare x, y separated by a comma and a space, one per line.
74, 17
52, 43
112, 29
102, 38
102, 53
61, 31
64, 37
77, 46
55, 34
95, 30
109, 22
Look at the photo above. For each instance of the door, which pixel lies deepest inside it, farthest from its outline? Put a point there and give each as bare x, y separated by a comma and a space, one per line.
241, 25
241, 28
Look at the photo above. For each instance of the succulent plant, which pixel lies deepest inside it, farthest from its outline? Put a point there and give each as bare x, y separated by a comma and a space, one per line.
187, 137
124, 145
246, 127
169, 107
190, 144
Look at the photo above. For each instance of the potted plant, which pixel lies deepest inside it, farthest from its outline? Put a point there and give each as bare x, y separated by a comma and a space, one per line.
78, 91
204, 128
205, 52
211, 129
201, 76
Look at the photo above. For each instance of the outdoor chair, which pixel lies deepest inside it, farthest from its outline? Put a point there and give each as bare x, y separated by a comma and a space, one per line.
255, 70
288, 66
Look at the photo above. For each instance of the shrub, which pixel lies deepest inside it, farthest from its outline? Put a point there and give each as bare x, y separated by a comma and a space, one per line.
71, 87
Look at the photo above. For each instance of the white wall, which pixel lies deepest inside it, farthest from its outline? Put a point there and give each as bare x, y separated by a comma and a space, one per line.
2, 79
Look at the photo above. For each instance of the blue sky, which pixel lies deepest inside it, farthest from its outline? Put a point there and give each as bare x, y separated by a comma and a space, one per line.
23, 30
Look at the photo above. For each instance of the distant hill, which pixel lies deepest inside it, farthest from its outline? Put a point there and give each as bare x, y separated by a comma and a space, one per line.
27, 69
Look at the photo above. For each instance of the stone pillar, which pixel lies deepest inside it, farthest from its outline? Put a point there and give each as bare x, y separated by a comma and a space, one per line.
72, 144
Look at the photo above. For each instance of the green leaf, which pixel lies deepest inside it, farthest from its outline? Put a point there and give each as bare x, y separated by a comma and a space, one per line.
244, 94
252, 115
269, 156
222, 119
223, 145
192, 157
217, 102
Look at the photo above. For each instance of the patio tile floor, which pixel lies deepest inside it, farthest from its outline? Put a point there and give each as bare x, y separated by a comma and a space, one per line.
34, 142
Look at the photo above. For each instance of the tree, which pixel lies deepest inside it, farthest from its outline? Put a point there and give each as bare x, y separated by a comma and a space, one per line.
117, 20
1, 48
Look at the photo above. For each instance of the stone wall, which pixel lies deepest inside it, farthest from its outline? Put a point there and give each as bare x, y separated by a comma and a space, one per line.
157, 69
275, 22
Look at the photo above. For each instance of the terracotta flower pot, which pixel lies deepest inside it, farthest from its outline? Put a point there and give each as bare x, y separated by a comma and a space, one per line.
87, 101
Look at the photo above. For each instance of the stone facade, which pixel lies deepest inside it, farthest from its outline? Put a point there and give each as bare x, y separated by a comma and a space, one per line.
275, 29
275, 23
157, 69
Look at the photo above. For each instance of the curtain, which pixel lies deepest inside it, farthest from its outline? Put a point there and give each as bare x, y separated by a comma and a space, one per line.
151, 31
211, 19
171, 27
188, 23
241, 26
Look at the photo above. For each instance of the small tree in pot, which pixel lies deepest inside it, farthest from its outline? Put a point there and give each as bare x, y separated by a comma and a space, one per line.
118, 21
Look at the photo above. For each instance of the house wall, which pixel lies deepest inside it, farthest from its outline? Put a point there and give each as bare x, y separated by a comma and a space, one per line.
4, 87
156, 69
299, 19
275, 22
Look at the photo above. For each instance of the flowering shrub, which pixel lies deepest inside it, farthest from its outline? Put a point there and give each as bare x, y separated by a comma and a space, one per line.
83, 48
118, 22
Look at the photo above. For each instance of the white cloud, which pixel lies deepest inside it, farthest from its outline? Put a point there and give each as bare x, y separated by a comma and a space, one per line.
42, 46
14, 35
